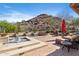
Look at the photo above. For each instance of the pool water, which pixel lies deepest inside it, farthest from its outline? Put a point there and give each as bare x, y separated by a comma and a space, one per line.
17, 39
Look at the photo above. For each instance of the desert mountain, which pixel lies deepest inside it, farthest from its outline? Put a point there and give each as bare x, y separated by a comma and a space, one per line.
40, 22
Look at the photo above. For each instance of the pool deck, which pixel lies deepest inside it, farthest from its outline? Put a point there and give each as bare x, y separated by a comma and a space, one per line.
51, 49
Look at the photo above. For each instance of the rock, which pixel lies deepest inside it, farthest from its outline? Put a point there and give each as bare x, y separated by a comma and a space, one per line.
41, 33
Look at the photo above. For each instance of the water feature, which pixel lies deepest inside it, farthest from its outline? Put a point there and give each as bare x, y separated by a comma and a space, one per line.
17, 39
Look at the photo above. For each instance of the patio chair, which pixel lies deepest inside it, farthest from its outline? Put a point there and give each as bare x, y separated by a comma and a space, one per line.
75, 42
75, 39
58, 41
73, 45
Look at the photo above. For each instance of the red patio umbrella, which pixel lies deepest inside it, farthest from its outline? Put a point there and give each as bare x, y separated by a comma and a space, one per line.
63, 26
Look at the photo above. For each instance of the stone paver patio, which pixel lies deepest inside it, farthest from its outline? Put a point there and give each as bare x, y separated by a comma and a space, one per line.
51, 49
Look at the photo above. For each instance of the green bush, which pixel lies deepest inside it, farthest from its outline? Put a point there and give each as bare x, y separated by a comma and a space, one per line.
49, 31
34, 30
7, 27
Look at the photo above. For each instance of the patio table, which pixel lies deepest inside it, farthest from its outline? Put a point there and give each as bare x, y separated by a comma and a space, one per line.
67, 45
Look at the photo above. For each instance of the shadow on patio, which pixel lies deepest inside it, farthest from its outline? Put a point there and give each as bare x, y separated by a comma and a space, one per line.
64, 52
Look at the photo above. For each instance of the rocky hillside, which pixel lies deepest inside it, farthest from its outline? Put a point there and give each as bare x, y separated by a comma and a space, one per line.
42, 22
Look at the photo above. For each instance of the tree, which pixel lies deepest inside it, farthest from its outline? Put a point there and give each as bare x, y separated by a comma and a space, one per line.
7, 27
76, 21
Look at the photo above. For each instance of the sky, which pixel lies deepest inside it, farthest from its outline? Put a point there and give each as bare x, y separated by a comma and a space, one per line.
13, 12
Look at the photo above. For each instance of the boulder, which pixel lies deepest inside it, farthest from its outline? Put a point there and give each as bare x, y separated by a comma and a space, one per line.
41, 33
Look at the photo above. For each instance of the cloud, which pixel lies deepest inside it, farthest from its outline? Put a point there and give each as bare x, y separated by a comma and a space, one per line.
15, 16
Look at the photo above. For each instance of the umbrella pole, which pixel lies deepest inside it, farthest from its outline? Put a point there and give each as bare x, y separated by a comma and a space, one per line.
62, 35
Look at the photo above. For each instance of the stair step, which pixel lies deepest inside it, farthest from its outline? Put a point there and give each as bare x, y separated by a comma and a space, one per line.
17, 45
24, 49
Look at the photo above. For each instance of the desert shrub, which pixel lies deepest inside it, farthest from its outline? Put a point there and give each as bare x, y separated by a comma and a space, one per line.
34, 30
3, 34
32, 34
13, 35
71, 31
24, 34
49, 31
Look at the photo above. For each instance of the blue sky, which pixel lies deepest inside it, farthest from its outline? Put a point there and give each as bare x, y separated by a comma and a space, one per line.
13, 12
